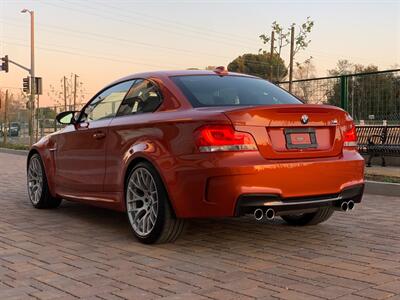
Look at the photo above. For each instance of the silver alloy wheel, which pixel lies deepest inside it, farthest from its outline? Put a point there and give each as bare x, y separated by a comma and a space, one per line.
142, 201
35, 180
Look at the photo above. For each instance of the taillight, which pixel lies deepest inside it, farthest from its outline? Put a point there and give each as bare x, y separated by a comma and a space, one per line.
350, 137
211, 138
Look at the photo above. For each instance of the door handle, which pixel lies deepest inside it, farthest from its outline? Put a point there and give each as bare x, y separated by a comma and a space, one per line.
99, 135
83, 125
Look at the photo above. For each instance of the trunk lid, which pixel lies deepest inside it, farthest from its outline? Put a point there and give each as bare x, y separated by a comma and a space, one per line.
292, 131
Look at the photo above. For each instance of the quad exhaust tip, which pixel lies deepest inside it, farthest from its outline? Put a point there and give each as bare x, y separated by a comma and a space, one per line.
350, 205
259, 214
270, 214
346, 206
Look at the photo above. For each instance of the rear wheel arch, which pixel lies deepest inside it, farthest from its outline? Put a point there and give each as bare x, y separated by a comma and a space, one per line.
132, 164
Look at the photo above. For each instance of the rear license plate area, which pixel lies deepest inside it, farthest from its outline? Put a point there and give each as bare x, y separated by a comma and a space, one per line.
300, 138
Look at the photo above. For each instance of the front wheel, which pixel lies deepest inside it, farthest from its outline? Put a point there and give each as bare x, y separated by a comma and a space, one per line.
321, 215
38, 189
148, 208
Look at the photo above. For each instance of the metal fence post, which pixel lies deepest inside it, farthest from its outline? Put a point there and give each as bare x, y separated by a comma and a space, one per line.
55, 122
41, 128
344, 92
6, 127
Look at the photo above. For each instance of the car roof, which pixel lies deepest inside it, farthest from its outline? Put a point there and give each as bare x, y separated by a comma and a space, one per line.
158, 74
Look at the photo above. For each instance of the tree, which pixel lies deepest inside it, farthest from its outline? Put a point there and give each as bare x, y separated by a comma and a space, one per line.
57, 94
370, 94
304, 89
261, 65
16, 107
357, 86
343, 67
282, 37
305, 70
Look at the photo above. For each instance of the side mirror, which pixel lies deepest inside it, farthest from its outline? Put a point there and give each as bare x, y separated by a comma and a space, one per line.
66, 117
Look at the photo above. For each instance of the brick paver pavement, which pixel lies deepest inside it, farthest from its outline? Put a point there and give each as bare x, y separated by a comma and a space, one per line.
78, 251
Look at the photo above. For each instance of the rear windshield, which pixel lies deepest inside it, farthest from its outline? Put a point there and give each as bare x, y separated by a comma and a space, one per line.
214, 90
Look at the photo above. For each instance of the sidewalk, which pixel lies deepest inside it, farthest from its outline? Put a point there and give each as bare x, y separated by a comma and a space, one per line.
391, 174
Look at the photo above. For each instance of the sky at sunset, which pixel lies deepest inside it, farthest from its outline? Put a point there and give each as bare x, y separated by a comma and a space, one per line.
104, 40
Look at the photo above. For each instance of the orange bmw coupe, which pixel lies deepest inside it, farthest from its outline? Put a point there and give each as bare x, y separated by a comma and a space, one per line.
167, 146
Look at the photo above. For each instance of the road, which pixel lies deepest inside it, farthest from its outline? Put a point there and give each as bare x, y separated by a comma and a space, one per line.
78, 251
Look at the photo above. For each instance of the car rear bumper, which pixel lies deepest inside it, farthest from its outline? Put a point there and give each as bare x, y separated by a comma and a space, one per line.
248, 203
222, 185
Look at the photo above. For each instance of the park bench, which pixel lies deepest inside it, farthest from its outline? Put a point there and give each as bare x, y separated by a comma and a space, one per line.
378, 140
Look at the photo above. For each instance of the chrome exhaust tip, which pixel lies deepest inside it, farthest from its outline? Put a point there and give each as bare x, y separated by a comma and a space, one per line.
258, 214
344, 206
270, 214
350, 205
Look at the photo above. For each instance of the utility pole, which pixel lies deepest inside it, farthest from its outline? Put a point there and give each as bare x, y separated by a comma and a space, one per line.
5, 131
291, 58
65, 94
33, 80
33, 86
272, 54
75, 86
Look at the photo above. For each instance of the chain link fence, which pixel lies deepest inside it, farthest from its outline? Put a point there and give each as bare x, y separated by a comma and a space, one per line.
369, 97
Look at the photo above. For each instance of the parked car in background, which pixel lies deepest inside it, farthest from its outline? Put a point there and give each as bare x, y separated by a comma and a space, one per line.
168, 146
14, 129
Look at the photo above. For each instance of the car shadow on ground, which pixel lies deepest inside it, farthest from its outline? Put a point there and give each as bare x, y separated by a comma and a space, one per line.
222, 233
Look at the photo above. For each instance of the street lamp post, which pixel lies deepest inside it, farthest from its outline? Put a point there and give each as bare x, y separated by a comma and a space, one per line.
32, 73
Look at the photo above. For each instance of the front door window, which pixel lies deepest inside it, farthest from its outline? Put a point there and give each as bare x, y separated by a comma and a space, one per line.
106, 104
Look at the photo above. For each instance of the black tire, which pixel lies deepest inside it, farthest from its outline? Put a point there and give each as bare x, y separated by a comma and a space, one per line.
167, 227
46, 200
321, 215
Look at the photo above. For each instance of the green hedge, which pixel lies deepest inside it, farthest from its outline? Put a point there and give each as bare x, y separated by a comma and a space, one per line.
14, 146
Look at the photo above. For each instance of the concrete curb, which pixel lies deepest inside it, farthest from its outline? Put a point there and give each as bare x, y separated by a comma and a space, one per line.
14, 151
382, 188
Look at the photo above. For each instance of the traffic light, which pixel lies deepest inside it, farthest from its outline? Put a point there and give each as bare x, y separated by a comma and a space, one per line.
4, 65
26, 84
38, 86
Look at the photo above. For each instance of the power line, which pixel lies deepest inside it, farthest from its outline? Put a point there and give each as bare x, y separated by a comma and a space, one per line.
128, 41
185, 26
89, 35
86, 55
336, 55
141, 25
109, 54
158, 46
